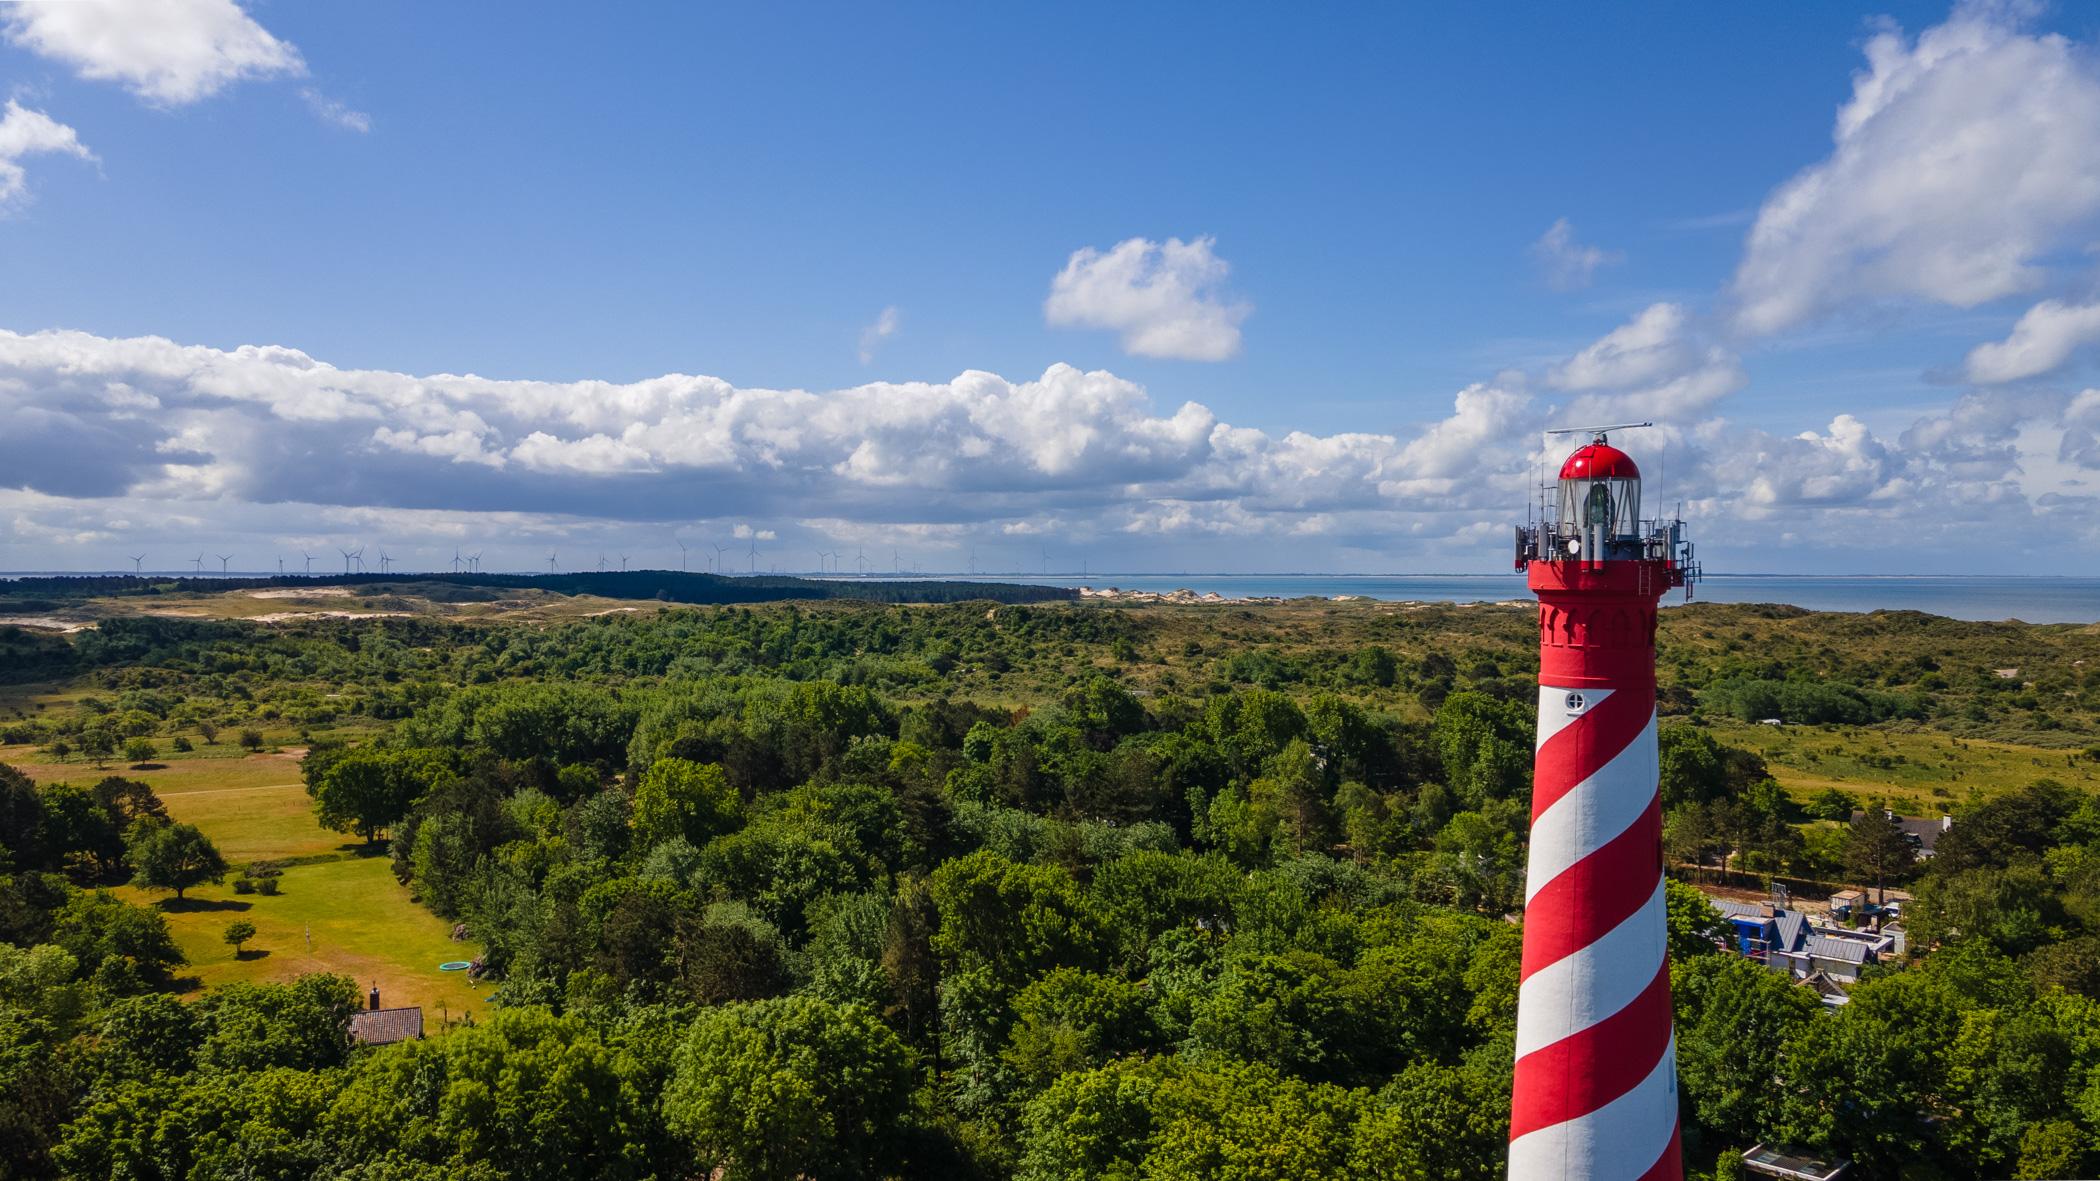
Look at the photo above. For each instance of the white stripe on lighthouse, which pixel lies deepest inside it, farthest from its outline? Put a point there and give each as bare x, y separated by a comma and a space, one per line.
1593, 811
1620, 1140
1554, 714
1573, 993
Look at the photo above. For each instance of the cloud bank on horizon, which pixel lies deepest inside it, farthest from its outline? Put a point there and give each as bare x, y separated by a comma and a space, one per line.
116, 444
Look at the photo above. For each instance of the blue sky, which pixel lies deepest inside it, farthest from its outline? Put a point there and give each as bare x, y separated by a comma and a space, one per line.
1319, 229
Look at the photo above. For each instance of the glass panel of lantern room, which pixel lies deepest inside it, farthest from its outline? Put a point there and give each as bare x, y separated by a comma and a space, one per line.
1571, 495
1626, 510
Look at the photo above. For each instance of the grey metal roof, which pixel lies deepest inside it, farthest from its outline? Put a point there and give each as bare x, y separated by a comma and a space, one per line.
1829, 948
1792, 924
1738, 910
383, 1027
1773, 1161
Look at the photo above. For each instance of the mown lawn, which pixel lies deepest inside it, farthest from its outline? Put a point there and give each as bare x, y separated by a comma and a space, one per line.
363, 925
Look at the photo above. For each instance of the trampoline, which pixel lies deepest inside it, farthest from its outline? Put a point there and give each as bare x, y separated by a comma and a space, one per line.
455, 966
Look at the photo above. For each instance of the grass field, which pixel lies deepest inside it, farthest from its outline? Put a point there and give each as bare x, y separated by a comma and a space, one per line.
1915, 771
254, 807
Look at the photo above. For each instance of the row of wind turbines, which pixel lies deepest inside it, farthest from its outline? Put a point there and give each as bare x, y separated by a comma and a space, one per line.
353, 562
828, 561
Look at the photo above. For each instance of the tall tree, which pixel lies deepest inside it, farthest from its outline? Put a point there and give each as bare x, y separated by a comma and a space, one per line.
681, 798
364, 791
1877, 850
1734, 1018
791, 1088
172, 856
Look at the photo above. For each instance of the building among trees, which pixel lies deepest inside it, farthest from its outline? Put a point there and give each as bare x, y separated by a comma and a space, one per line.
374, 1026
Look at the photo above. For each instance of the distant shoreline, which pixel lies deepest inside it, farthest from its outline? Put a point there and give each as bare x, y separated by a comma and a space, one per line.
2041, 599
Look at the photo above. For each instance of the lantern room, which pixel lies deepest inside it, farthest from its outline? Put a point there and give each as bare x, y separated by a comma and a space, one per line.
1600, 497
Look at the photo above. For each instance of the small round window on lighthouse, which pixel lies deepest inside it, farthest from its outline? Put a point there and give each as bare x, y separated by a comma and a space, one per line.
1575, 703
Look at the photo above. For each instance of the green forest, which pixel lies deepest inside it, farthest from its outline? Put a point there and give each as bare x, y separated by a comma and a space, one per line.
1005, 890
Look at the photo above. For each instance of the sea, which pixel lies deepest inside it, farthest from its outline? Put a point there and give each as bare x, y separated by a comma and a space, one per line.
2031, 599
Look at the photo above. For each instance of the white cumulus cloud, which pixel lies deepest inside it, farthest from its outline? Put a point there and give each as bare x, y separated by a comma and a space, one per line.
2043, 340
24, 132
1962, 157
168, 52
1163, 298
1657, 365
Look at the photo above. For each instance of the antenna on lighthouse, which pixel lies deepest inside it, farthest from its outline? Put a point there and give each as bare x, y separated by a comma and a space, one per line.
1599, 431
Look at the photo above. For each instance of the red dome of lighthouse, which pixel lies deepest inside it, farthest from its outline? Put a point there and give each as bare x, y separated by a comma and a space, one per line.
1599, 461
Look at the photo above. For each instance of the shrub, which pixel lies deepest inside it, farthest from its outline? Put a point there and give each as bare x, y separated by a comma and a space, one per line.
252, 739
1833, 804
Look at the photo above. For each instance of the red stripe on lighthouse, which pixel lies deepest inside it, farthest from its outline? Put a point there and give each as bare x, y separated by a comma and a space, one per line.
1594, 895
1581, 1073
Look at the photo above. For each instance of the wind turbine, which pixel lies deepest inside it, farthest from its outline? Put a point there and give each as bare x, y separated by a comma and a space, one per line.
681, 555
198, 562
138, 564
860, 560
474, 562
349, 556
309, 561
280, 565
721, 567
223, 559
384, 559
553, 561
456, 559
896, 562
754, 554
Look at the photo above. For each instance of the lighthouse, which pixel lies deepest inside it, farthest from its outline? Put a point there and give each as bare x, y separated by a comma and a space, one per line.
1596, 1068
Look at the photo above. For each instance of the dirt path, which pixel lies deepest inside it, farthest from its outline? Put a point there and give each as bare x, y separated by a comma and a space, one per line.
228, 791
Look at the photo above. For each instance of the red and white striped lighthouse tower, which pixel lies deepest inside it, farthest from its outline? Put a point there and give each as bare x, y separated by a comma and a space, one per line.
1596, 1081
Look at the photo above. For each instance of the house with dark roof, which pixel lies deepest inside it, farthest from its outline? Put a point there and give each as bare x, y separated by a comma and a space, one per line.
1762, 927
1786, 941
374, 1026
